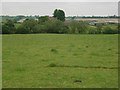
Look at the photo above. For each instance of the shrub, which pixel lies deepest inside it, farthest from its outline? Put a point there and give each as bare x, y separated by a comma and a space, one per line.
5, 29
8, 27
92, 30
77, 27
29, 24
99, 28
42, 19
54, 26
39, 29
22, 30
110, 30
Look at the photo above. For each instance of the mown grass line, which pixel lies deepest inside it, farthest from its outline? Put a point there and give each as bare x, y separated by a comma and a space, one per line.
76, 66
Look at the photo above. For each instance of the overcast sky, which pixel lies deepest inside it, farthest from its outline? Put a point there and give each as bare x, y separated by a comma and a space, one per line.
70, 8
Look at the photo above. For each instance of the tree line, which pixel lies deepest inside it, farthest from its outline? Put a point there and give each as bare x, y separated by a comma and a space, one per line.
56, 24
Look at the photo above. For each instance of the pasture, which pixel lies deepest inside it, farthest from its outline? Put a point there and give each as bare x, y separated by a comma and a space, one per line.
60, 61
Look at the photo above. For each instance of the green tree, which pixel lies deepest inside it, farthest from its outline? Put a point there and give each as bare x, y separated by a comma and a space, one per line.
8, 27
39, 28
99, 28
29, 24
59, 14
110, 30
42, 19
54, 26
22, 30
77, 27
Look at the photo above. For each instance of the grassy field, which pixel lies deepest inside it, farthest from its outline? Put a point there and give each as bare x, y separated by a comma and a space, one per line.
62, 61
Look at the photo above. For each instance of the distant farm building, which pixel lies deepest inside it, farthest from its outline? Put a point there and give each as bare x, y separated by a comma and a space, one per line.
21, 20
95, 21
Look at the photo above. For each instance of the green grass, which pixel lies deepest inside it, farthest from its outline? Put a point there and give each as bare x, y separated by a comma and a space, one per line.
52, 60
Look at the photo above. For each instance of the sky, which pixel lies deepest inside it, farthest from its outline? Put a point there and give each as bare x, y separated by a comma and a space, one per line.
70, 8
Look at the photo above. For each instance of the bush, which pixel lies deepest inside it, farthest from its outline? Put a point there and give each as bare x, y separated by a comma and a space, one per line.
99, 28
22, 30
47, 24
5, 29
92, 30
39, 29
54, 26
8, 27
77, 27
110, 30
42, 19
29, 24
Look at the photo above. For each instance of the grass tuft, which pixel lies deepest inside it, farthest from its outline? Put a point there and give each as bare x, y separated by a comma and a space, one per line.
52, 65
75, 54
54, 50
109, 49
